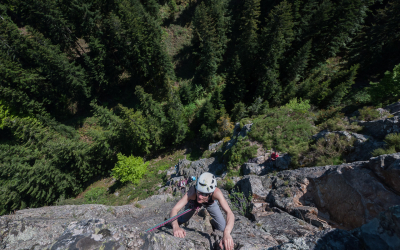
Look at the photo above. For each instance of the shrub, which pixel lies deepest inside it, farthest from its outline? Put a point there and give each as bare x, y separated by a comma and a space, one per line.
326, 114
368, 114
225, 126
283, 129
258, 107
129, 168
388, 89
392, 145
229, 184
239, 112
339, 124
328, 151
241, 203
95, 195
299, 106
240, 153
244, 121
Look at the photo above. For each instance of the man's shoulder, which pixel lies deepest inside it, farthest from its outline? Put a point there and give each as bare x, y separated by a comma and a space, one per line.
218, 194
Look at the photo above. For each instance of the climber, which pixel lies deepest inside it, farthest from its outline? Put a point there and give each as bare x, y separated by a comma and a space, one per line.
274, 156
208, 195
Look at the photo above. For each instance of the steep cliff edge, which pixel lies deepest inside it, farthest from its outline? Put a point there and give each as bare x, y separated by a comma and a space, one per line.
308, 208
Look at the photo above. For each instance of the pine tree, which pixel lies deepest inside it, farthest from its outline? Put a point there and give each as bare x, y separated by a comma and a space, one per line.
44, 73
275, 38
210, 28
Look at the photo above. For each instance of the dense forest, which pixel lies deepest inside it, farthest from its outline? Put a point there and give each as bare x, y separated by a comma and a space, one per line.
84, 82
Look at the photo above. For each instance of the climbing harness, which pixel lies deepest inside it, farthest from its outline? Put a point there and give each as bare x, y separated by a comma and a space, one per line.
194, 207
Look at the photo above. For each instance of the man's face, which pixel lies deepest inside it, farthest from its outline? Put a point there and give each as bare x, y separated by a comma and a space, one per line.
202, 197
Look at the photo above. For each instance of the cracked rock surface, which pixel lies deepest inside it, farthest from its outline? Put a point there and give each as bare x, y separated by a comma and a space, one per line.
307, 208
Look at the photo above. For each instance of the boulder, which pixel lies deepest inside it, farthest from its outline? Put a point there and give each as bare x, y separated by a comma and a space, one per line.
332, 239
387, 168
283, 162
254, 168
352, 195
383, 232
196, 168
380, 128
394, 108
214, 146
250, 185
362, 148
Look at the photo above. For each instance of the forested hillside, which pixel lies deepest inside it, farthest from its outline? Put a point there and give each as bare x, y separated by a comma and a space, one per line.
85, 83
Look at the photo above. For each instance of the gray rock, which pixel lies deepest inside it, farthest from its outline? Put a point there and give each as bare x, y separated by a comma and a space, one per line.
380, 128
283, 162
196, 168
254, 168
387, 168
383, 232
214, 146
332, 239
362, 148
238, 132
394, 108
250, 185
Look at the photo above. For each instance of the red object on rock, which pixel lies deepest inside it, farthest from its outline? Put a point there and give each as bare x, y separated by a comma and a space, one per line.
274, 156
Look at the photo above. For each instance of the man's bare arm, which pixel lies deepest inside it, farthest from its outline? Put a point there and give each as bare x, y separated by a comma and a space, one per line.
227, 240
178, 232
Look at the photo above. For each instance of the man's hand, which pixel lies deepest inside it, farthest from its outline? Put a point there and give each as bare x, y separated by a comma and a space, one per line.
227, 241
179, 232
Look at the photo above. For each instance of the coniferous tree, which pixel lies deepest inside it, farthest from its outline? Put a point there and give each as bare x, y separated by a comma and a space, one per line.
47, 75
210, 28
275, 38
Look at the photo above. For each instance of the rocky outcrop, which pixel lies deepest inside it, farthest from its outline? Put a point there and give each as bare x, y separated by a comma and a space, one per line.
394, 108
380, 128
349, 194
306, 208
387, 168
118, 228
383, 232
362, 148
196, 168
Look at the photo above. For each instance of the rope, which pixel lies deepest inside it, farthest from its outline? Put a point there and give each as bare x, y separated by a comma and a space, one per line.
169, 220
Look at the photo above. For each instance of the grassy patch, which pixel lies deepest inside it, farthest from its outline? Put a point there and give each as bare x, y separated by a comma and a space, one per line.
283, 129
327, 151
114, 193
368, 114
241, 152
392, 145
339, 123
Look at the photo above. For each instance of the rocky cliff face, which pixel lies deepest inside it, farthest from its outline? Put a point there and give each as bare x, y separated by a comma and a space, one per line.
350, 206
309, 208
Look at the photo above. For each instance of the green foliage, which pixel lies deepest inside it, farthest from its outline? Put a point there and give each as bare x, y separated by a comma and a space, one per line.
229, 184
283, 129
339, 124
298, 106
129, 168
241, 152
392, 145
241, 203
43, 165
326, 114
239, 112
376, 47
368, 114
388, 89
328, 151
258, 107
210, 26
95, 195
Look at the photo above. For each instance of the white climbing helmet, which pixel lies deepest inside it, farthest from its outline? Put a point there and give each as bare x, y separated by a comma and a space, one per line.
206, 183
